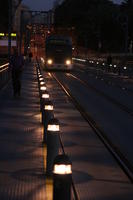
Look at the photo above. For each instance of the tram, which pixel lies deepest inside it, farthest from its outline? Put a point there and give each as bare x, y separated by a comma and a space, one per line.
58, 52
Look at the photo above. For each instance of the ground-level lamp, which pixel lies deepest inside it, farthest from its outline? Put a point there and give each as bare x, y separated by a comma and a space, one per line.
53, 130
47, 115
62, 177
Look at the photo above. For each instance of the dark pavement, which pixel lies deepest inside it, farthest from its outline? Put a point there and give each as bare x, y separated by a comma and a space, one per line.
22, 174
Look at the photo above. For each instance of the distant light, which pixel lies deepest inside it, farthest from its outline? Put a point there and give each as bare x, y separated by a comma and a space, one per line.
42, 59
43, 88
115, 66
78, 59
68, 62
125, 68
42, 83
2, 34
45, 96
48, 32
49, 61
41, 79
13, 34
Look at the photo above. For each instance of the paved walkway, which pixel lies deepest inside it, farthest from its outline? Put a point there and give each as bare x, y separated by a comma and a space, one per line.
21, 153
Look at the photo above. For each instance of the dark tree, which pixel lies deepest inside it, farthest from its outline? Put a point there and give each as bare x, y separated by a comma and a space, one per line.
4, 16
127, 17
95, 23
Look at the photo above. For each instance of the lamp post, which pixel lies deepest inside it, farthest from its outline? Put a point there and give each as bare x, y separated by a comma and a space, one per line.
9, 27
10, 17
62, 178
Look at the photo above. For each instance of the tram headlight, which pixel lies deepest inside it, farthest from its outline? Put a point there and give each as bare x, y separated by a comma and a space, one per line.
68, 62
49, 61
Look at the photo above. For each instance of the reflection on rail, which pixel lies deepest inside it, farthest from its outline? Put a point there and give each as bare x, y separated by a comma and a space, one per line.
3, 67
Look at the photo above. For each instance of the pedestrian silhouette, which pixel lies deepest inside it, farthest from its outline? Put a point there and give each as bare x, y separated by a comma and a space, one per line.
30, 56
16, 65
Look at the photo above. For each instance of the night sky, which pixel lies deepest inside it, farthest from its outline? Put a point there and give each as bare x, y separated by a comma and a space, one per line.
45, 4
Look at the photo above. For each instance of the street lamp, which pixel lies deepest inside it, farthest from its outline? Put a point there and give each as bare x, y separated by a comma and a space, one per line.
11, 15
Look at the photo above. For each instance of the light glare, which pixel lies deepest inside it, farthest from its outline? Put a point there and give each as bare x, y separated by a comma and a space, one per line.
42, 83
49, 107
49, 61
45, 96
53, 127
68, 62
43, 88
62, 169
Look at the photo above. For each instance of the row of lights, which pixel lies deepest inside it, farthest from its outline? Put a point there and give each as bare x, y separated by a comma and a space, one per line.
57, 165
96, 62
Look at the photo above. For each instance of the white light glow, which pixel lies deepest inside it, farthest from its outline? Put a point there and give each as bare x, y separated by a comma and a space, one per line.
42, 83
50, 61
42, 59
82, 60
45, 96
68, 62
62, 169
53, 127
49, 107
43, 88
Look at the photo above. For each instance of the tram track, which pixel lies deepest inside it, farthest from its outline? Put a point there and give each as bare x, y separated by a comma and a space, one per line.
110, 82
107, 97
121, 159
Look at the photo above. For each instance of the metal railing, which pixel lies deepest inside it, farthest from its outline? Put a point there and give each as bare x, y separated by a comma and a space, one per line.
5, 74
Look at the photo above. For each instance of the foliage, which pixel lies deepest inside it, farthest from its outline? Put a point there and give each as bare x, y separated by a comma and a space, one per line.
96, 22
127, 12
4, 16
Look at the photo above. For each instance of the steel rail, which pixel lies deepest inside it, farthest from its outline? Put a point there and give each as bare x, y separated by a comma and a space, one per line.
75, 193
112, 100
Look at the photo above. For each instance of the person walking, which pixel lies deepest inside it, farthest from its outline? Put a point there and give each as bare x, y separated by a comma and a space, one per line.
16, 65
30, 56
